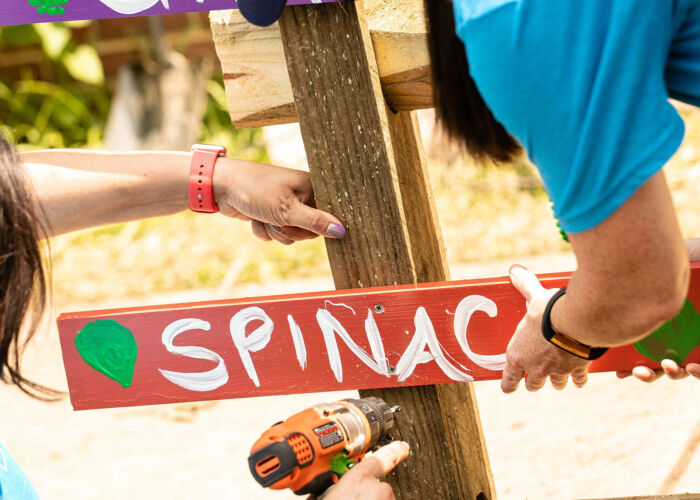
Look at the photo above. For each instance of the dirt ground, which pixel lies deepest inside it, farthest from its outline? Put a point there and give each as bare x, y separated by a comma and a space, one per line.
612, 438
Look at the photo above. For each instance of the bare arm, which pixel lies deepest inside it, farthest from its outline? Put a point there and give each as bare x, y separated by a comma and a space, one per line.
633, 272
633, 276
80, 189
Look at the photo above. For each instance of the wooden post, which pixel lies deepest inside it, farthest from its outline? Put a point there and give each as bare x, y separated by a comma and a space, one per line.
368, 169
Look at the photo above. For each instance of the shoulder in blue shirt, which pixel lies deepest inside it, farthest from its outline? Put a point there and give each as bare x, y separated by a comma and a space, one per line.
14, 485
584, 87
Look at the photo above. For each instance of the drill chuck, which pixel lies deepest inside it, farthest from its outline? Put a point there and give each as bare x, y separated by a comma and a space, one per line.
379, 415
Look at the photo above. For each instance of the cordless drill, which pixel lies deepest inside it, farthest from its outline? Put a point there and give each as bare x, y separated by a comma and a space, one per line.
312, 449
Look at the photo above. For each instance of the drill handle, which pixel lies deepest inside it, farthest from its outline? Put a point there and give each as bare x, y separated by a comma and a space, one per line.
318, 485
272, 462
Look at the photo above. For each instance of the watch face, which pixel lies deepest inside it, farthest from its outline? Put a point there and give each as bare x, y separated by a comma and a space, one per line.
220, 150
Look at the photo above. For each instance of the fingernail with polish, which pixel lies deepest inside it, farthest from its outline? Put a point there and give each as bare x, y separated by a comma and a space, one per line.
277, 229
335, 231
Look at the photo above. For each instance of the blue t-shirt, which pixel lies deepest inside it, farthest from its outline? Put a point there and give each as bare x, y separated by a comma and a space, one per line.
14, 485
583, 85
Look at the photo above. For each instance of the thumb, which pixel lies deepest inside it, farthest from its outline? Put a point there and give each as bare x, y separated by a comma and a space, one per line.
525, 281
383, 461
316, 221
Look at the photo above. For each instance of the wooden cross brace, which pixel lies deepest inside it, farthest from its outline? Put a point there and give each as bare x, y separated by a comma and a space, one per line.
368, 168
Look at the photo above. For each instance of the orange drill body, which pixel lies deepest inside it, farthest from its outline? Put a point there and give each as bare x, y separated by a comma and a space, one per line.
308, 452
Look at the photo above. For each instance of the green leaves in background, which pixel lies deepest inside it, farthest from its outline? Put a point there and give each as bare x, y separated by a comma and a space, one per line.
54, 38
84, 65
67, 105
246, 144
64, 102
80, 60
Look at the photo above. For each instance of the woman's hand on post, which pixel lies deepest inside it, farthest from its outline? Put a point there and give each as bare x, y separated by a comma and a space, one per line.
362, 481
529, 355
278, 201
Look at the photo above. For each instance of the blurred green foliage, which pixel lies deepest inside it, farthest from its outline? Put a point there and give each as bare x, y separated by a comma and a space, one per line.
67, 106
247, 144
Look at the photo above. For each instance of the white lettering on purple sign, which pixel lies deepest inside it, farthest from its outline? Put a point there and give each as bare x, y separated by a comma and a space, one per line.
129, 7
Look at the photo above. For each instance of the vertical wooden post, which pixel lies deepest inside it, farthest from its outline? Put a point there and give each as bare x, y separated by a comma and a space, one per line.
368, 169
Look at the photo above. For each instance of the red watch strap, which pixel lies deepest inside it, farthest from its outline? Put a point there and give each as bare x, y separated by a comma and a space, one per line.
201, 187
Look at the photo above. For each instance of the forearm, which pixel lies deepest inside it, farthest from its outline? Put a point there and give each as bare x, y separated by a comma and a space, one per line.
79, 189
606, 318
633, 272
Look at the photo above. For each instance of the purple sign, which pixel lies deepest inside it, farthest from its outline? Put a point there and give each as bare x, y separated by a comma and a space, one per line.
41, 11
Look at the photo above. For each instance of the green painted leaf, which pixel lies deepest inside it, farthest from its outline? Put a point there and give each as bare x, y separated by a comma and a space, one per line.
109, 348
675, 339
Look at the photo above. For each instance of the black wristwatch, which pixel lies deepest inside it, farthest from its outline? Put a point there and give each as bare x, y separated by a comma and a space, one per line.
564, 342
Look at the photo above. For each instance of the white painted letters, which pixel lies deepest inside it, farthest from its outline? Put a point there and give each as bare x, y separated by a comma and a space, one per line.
424, 346
257, 340
298, 339
198, 381
416, 354
330, 326
465, 309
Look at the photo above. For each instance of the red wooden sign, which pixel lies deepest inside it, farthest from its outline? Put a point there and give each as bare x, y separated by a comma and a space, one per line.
353, 339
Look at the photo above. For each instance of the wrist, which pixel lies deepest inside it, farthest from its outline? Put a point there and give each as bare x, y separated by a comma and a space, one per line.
224, 179
561, 320
563, 341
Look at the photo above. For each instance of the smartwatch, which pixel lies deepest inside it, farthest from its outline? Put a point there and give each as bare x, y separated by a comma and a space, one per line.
564, 342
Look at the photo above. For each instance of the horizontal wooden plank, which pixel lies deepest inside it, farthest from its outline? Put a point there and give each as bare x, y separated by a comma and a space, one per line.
326, 341
255, 73
24, 12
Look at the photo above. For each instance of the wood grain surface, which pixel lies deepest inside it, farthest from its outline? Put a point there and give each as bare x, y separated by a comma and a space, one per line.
372, 172
255, 74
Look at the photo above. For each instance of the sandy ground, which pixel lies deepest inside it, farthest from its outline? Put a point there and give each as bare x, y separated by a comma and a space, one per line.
612, 438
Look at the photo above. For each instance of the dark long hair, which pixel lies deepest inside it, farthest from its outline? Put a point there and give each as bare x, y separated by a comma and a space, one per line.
23, 286
460, 107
